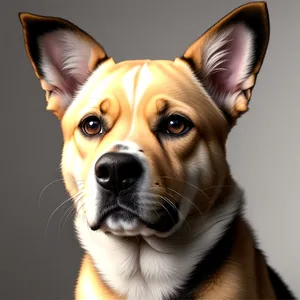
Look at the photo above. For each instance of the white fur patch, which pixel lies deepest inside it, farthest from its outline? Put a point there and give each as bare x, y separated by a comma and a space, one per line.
128, 84
215, 53
92, 198
69, 51
227, 56
142, 85
144, 80
155, 268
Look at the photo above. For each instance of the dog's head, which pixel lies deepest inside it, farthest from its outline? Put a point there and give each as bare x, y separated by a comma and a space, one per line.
144, 141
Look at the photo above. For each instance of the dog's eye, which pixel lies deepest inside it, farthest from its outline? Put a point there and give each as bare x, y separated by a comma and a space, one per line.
91, 126
176, 125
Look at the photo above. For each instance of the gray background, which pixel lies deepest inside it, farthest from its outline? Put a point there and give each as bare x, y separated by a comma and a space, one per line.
263, 149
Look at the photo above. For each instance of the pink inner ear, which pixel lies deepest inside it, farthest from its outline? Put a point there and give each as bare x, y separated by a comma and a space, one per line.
64, 60
228, 59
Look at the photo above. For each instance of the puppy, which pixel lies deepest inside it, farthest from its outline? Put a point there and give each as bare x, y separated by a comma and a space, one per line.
158, 212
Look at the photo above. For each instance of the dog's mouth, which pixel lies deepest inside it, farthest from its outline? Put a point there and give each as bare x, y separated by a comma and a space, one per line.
120, 220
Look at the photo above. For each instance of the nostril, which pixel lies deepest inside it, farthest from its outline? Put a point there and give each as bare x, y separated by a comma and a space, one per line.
129, 173
102, 172
105, 173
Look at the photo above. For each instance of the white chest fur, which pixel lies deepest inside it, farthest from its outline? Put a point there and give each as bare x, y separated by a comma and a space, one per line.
154, 268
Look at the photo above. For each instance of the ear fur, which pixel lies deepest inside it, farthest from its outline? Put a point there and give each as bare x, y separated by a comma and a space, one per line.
62, 55
228, 56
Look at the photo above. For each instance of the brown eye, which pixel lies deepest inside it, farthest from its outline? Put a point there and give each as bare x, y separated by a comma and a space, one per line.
176, 125
91, 126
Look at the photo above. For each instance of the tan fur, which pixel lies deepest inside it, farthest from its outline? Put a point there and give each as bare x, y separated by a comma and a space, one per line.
244, 276
89, 283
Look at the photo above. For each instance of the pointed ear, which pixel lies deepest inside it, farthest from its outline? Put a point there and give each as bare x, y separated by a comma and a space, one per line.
62, 55
227, 58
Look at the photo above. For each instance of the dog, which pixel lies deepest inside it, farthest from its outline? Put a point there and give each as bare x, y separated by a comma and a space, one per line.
159, 214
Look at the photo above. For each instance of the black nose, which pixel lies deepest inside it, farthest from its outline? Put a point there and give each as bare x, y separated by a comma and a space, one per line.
117, 171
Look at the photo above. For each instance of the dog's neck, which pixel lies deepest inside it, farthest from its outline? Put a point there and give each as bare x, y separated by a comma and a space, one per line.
155, 268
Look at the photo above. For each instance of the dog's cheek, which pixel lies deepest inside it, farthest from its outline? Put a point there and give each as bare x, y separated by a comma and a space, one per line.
72, 169
205, 169
92, 196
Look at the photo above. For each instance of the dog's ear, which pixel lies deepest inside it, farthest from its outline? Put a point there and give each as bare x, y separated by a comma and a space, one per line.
62, 55
228, 57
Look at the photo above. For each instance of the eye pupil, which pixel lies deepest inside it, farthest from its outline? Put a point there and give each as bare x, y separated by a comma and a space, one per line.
176, 125
91, 126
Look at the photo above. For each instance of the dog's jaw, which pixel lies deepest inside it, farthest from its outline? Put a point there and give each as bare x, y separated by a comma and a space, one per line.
147, 268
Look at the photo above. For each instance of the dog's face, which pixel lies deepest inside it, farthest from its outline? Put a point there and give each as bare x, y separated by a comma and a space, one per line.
134, 137
144, 141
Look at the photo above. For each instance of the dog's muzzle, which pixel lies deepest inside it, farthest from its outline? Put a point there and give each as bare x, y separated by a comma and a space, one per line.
120, 177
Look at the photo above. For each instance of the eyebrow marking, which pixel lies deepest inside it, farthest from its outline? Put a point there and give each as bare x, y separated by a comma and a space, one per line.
104, 106
162, 106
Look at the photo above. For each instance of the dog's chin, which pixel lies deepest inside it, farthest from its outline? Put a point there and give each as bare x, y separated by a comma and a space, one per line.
121, 222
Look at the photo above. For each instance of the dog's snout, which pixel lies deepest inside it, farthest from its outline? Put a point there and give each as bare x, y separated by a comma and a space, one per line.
118, 171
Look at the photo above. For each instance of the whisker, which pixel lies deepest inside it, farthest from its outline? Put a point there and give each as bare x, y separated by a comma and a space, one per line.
80, 208
79, 182
220, 185
69, 199
162, 197
76, 209
71, 214
167, 212
44, 189
224, 217
146, 202
68, 212
186, 199
169, 202
190, 184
